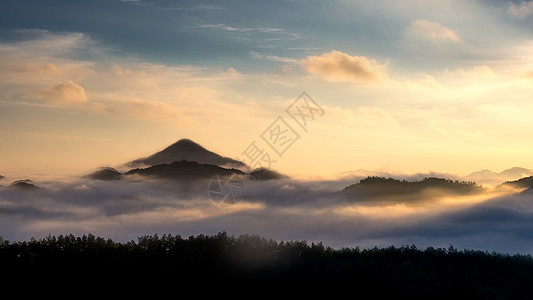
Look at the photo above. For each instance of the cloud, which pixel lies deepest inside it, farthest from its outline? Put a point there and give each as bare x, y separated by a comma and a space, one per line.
337, 66
433, 31
283, 210
42, 56
148, 109
426, 82
225, 27
522, 10
477, 71
48, 69
51, 44
275, 58
62, 93
231, 74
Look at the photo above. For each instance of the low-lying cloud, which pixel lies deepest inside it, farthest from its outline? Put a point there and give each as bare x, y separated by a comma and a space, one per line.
280, 209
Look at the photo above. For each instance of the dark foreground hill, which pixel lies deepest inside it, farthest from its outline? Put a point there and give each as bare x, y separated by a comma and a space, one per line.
225, 264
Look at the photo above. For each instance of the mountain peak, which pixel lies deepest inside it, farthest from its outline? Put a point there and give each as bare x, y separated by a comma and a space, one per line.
186, 149
516, 171
105, 173
185, 145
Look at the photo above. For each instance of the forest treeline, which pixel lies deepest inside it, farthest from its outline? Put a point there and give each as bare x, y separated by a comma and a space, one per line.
221, 259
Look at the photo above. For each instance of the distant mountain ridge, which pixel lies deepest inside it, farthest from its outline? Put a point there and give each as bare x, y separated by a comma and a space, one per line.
482, 177
493, 178
362, 173
188, 150
372, 188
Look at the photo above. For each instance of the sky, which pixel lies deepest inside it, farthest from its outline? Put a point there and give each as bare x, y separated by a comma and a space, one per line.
402, 86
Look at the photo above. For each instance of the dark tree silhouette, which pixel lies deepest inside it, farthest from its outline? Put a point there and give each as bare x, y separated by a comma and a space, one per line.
222, 261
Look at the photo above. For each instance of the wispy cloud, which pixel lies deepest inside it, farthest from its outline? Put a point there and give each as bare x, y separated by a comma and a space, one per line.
209, 7
275, 58
267, 34
241, 29
225, 27
521, 10
147, 109
62, 93
433, 31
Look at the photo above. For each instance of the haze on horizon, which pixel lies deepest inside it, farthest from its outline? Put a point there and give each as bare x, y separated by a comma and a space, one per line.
406, 86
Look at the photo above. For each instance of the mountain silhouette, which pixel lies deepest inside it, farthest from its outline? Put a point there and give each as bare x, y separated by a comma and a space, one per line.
266, 174
2, 177
522, 183
362, 174
516, 172
482, 173
372, 188
492, 178
188, 150
184, 170
105, 174
24, 185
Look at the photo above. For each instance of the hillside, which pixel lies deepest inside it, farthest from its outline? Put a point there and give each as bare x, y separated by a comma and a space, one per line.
184, 170
522, 183
105, 174
371, 188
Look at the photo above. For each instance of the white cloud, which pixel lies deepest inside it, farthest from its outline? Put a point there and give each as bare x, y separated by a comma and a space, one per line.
428, 30
275, 58
522, 10
61, 93
225, 27
341, 67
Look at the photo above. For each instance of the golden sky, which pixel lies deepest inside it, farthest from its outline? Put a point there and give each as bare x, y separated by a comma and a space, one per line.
405, 86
